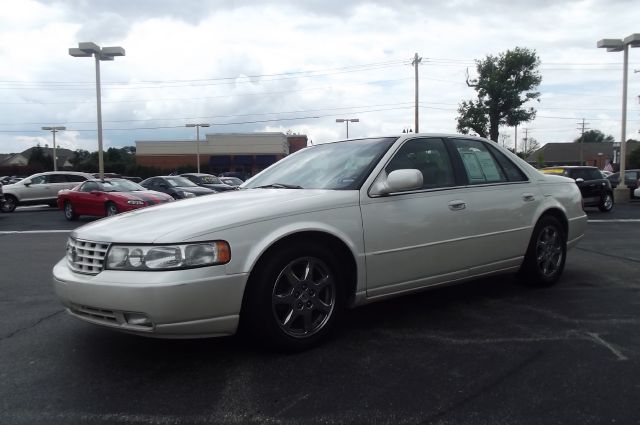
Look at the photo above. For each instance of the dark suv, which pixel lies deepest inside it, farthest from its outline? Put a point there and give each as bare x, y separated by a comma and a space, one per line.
595, 188
631, 180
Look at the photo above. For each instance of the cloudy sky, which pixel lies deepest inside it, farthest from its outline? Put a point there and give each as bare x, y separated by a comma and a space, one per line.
281, 65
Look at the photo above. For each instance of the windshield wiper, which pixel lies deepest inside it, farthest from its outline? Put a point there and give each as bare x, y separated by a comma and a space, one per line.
279, 186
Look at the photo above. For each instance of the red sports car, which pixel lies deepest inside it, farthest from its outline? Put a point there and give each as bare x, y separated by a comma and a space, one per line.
106, 198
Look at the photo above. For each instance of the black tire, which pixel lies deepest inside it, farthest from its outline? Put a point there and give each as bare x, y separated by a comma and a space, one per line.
290, 309
546, 255
69, 211
10, 203
606, 205
110, 209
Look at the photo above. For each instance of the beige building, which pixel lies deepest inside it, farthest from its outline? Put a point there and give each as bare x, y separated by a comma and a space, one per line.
247, 153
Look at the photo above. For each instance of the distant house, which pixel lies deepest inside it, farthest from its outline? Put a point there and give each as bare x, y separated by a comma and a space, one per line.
22, 159
595, 154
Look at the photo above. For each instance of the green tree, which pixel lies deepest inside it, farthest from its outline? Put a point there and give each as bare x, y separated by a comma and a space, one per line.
39, 159
504, 84
594, 136
634, 158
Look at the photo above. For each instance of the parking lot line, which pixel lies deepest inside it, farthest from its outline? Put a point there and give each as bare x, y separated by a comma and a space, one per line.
617, 220
14, 232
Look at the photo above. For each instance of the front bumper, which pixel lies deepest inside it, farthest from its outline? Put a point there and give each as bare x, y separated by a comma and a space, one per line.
189, 303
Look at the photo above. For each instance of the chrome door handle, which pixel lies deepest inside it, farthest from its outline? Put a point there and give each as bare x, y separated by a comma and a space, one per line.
457, 205
528, 197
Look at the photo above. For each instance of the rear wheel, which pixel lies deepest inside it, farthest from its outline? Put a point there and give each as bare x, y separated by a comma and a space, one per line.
69, 211
294, 297
111, 209
606, 204
547, 252
10, 203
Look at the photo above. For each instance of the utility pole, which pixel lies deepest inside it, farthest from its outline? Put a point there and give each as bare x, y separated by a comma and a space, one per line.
515, 141
525, 139
416, 61
582, 130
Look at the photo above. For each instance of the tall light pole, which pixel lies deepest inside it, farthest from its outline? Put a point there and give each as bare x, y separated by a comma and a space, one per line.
54, 130
85, 50
197, 126
621, 192
347, 120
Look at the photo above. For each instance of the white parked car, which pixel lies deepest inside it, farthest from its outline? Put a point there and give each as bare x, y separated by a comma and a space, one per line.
332, 226
636, 192
41, 188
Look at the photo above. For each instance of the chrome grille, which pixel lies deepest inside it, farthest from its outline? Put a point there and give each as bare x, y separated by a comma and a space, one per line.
86, 256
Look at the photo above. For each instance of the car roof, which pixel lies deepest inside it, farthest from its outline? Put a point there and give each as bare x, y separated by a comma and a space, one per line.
570, 167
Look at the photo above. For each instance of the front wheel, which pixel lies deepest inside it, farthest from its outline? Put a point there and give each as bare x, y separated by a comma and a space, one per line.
547, 252
606, 204
294, 297
111, 209
69, 212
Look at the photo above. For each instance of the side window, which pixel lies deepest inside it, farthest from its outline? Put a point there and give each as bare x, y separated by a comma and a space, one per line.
514, 174
57, 178
579, 173
75, 178
430, 157
480, 165
40, 180
594, 174
89, 186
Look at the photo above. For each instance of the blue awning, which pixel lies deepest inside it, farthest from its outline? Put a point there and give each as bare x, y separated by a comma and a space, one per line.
220, 160
243, 160
265, 159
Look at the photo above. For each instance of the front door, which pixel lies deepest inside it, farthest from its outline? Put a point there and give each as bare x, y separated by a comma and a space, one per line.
426, 243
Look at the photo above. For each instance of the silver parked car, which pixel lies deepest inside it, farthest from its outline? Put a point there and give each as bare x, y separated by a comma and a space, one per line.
332, 226
41, 188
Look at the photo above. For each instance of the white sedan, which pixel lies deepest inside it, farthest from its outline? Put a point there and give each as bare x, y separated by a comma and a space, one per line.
332, 226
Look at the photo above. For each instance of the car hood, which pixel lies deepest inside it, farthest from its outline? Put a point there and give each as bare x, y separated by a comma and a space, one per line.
194, 218
191, 189
142, 195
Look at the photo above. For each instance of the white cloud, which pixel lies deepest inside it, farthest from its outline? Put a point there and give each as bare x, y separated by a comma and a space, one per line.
179, 54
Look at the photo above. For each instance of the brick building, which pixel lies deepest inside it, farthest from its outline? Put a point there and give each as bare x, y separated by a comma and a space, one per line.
247, 153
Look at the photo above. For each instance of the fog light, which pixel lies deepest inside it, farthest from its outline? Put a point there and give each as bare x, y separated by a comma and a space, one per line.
138, 319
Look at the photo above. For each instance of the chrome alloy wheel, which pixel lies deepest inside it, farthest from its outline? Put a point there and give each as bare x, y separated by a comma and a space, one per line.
111, 210
608, 202
549, 251
303, 297
68, 210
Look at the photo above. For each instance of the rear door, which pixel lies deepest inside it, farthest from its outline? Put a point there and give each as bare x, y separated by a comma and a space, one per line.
501, 203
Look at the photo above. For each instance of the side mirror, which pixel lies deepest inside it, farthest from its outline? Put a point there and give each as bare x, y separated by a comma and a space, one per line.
579, 180
26, 182
398, 181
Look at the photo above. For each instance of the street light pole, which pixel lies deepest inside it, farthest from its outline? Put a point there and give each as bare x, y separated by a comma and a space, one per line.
85, 50
347, 120
621, 192
54, 130
197, 126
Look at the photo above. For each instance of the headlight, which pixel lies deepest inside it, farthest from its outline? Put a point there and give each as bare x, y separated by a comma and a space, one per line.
135, 202
167, 257
188, 195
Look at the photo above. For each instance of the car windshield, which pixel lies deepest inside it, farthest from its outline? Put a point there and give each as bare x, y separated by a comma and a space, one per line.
180, 182
210, 180
340, 165
119, 186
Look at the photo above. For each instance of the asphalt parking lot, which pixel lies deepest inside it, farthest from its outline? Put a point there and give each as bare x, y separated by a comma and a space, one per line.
491, 351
